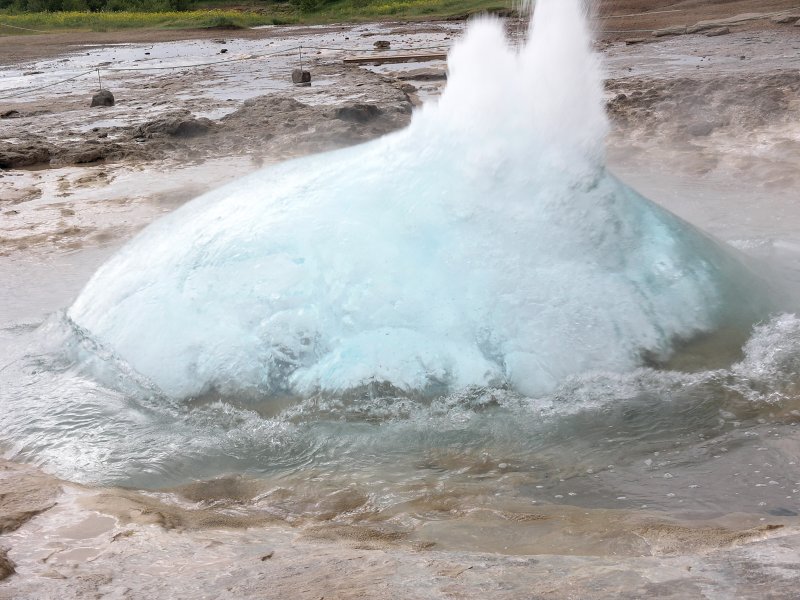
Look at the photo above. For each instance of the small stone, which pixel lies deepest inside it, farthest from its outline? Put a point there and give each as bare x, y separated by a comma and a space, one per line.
718, 31
301, 76
7, 566
10, 114
223, 51
103, 98
382, 45
679, 30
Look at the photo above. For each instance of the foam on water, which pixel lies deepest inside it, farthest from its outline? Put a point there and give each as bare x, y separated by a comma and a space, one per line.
484, 245
55, 413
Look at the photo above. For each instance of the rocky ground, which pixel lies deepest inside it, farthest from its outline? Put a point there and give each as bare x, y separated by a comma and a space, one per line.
717, 112
205, 125
275, 125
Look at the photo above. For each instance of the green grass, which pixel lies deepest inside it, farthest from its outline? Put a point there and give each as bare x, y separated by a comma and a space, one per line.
365, 10
111, 21
248, 14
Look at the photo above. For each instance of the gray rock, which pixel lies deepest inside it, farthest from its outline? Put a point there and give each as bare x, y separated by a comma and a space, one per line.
701, 26
23, 155
382, 45
718, 31
786, 19
358, 113
678, 30
301, 76
424, 74
86, 153
7, 566
10, 114
180, 126
103, 98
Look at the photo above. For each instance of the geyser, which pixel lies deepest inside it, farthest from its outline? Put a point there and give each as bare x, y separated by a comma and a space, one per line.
486, 244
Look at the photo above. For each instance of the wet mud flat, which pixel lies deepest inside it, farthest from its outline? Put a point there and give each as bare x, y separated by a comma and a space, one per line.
70, 541
239, 537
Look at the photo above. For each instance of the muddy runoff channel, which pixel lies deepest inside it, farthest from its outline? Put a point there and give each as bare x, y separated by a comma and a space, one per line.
707, 133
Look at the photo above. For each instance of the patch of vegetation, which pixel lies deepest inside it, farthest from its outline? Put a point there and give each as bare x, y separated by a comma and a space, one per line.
111, 21
362, 10
110, 15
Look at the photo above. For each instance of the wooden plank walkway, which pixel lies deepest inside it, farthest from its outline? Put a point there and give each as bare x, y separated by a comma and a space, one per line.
377, 59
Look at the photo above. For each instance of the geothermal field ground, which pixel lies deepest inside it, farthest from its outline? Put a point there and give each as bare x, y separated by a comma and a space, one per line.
517, 319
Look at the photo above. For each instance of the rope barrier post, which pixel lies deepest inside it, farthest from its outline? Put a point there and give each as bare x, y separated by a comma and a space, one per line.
102, 97
299, 76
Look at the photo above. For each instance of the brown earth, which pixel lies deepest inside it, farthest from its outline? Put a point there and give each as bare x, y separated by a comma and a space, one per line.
617, 15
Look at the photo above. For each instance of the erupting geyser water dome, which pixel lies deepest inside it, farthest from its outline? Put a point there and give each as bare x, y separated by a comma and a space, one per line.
486, 244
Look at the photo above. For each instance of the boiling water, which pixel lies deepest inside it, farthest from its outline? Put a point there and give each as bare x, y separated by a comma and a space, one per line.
472, 312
